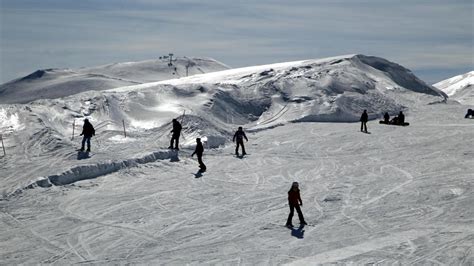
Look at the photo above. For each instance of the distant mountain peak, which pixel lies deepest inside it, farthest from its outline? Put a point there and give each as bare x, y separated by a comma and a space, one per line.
459, 88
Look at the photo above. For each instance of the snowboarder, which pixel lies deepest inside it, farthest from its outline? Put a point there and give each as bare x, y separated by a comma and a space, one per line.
401, 118
240, 135
386, 118
294, 201
87, 131
363, 121
199, 151
176, 133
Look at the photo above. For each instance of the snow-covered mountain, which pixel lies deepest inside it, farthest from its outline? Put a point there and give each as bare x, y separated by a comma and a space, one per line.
334, 89
400, 195
57, 83
459, 88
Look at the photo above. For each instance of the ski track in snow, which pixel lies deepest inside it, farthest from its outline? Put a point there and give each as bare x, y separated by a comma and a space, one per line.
399, 195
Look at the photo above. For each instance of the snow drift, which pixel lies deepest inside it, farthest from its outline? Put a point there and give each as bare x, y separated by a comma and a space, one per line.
459, 88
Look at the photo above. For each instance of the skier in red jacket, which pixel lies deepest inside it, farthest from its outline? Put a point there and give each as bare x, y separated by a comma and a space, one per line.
294, 200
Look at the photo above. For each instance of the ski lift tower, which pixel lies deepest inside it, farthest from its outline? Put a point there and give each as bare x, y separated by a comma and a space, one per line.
171, 59
188, 65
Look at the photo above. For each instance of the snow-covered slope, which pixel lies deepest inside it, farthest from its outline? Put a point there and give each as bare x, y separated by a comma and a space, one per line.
331, 89
397, 196
459, 88
400, 195
57, 83
326, 90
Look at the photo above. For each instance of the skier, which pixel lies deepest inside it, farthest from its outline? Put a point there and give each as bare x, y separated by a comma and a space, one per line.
87, 131
240, 135
386, 118
294, 201
401, 118
363, 121
199, 151
176, 133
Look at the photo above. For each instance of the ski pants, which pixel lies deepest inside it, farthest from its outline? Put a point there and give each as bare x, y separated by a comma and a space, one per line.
175, 139
201, 164
240, 143
363, 126
88, 140
292, 211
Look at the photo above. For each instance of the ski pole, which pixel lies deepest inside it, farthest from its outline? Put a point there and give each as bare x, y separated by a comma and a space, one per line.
124, 133
73, 127
3, 145
182, 121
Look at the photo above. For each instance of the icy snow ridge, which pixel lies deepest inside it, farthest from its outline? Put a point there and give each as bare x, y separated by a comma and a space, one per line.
90, 171
333, 89
459, 88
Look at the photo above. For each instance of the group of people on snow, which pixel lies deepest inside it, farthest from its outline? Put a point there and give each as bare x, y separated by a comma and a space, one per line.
294, 198
397, 120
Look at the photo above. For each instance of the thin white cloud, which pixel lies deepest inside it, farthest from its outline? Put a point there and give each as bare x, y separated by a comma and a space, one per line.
63, 33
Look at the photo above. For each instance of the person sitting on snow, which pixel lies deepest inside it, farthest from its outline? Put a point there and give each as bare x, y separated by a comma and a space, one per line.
386, 118
401, 118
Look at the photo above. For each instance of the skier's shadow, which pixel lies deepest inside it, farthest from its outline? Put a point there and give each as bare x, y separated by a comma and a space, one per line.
198, 174
174, 159
81, 155
298, 232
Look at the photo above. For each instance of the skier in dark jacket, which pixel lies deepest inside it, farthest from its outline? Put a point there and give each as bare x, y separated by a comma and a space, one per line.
294, 201
363, 121
401, 118
199, 151
240, 136
176, 133
87, 131
386, 118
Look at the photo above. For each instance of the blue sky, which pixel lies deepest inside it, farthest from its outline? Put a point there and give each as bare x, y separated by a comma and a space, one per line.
435, 39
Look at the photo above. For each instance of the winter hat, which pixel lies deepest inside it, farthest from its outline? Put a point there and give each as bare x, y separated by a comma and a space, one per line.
295, 184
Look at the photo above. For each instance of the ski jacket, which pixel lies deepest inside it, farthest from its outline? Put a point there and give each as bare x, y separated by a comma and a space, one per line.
364, 117
88, 130
240, 135
176, 128
401, 118
294, 197
199, 149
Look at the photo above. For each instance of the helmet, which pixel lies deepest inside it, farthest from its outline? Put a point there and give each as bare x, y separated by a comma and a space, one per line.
240, 128
295, 184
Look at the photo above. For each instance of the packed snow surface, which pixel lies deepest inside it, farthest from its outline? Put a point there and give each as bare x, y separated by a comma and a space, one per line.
397, 195
460, 88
